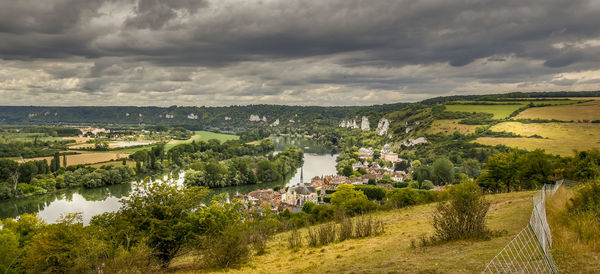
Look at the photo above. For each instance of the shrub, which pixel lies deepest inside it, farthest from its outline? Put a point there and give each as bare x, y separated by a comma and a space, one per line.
463, 216
295, 239
372, 192
326, 233
346, 229
401, 197
227, 249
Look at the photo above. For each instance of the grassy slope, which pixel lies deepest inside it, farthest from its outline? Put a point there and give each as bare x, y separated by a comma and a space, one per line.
572, 255
204, 136
499, 111
450, 126
559, 138
578, 112
391, 252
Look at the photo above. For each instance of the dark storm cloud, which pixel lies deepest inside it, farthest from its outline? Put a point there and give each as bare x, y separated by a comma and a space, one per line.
274, 48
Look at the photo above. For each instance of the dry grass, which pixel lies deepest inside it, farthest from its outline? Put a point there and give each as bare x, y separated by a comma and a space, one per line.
391, 251
450, 126
578, 112
571, 254
85, 158
559, 138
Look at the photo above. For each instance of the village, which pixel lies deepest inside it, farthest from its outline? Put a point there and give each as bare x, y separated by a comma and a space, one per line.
318, 189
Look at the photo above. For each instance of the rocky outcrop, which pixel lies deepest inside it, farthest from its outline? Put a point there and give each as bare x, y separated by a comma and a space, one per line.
227, 118
413, 142
382, 127
169, 116
192, 116
364, 124
264, 119
254, 118
276, 123
349, 123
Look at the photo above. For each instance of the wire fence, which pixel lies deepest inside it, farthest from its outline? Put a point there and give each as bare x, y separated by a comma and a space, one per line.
530, 250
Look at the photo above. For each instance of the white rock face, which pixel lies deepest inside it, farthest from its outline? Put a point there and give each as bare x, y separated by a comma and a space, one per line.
140, 115
264, 119
413, 142
276, 123
383, 126
254, 118
31, 115
349, 123
364, 124
408, 129
292, 121
227, 118
169, 116
127, 114
192, 116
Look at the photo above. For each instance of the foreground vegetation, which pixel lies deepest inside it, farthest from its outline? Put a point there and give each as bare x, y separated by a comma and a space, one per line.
393, 250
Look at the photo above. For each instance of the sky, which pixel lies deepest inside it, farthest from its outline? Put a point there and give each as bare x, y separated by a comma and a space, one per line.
333, 52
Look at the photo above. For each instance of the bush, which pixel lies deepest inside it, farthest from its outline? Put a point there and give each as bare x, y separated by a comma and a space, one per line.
402, 197
584, 211
463, 216
372, 192
295, 239
228, 249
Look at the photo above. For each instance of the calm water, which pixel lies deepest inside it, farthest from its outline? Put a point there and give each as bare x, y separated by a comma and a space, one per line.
318, 161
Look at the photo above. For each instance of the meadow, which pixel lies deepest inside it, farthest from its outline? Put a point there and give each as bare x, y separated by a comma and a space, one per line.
450, 126
588, 111
499, 111
571, 253
391, 252
202, 136
86, 158
557, 138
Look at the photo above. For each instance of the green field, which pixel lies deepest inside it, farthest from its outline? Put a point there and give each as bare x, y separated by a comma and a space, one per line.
499, 111
202, 136
521, 102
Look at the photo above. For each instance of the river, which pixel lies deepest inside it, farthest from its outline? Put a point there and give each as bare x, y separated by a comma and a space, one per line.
318, 161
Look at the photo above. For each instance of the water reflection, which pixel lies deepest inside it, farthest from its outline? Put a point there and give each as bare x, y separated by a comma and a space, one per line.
318, 160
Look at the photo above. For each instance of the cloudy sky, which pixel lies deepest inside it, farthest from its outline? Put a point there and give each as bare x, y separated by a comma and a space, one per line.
333, 52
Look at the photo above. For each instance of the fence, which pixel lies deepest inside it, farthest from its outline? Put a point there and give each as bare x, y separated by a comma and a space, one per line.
530, 250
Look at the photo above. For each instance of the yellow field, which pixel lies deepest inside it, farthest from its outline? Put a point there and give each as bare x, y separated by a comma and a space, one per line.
562, 138
391, 252
85, 158
585, 111
130, 163
450, 126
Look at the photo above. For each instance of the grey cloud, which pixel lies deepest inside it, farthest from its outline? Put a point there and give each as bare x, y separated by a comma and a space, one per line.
272, 48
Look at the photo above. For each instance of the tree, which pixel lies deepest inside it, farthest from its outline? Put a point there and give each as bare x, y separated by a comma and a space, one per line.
9, 250
161, 211
501, 171
347, 170
350, 199
65, 160
472, 168
442, 171
64, 247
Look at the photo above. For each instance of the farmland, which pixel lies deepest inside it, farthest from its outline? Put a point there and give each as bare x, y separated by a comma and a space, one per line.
557, 138
202, 136
86, 158
450, 126
499, 111
588, 111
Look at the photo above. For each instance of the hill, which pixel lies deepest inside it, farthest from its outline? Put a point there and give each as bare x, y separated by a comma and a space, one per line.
392, 251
